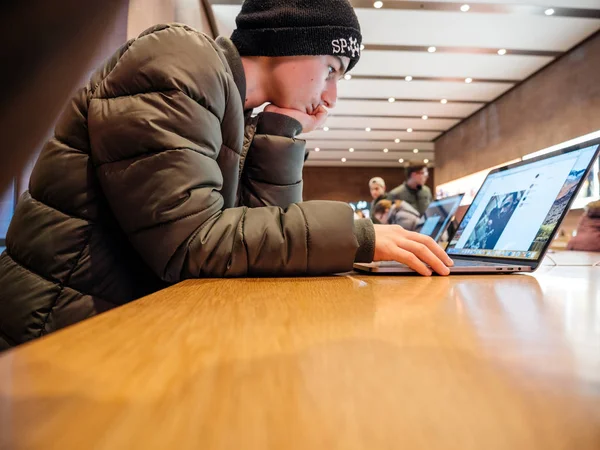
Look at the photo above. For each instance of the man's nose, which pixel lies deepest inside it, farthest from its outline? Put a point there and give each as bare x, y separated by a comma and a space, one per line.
329, 96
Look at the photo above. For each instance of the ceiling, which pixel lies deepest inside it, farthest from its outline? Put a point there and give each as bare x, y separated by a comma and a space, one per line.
397, 38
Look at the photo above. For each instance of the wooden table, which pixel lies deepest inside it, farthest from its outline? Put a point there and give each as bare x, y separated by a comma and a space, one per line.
347, 362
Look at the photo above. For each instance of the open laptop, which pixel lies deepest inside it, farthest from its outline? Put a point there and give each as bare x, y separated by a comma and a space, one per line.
438, 216
515, 215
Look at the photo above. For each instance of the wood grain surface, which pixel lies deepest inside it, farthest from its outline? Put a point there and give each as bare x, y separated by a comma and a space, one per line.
345, 362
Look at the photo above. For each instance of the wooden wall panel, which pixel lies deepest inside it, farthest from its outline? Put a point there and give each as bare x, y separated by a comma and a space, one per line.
145, 13
560, 103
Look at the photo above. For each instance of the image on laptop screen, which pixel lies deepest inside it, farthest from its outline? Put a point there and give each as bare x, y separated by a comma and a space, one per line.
438, 216
516, 210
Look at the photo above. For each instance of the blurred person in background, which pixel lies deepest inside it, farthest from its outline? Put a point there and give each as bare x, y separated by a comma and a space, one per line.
413, 190
397, 213
587, 238
158, 172
377, 189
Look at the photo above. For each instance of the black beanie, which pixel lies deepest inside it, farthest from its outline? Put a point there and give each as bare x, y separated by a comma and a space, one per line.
298, 28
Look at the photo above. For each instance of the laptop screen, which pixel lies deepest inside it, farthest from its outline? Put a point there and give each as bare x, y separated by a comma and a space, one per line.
516, 210
438, 216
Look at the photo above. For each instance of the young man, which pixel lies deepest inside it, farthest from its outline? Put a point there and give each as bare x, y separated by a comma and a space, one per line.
158, 172
413, 190
377, 189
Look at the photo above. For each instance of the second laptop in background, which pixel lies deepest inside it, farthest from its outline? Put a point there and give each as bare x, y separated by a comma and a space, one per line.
439, 216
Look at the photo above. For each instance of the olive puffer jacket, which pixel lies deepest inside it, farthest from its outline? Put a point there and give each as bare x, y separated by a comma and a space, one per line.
156, 174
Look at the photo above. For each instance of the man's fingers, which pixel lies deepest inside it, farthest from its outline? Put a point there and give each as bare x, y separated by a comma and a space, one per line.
320, 111
320, 115
422, 252
433, 246
406, 257
413, 249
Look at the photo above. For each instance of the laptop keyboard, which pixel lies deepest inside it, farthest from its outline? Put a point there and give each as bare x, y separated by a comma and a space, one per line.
463, 263
457, 263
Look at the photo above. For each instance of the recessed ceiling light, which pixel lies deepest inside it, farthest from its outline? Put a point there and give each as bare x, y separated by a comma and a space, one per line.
408, 78
443, 101
432, 49
367, 129
502, 52
325, 128
391, 99
465, 8
378, 4
347, 77
400, 160
424, 117
549, 11
397, 141
385, 150
416, 150
343, 159
409, 130
468, 80
351, 150
426, 161
362, 47
317, 149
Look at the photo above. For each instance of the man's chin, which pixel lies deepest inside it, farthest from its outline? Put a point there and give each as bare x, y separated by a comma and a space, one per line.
303, 109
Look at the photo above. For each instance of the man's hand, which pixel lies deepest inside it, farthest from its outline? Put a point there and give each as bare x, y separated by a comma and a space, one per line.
417, 251
308, 122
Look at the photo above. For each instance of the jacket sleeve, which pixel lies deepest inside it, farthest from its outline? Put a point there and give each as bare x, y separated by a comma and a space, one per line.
155, 132
273, 168
273, 172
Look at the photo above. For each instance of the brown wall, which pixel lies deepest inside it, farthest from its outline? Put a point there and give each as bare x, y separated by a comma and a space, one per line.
560, 103
349, 184
115, 35
133, 18
145, 13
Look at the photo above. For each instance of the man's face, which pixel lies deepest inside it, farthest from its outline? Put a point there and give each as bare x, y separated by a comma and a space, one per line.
377, 190
421, 176
304, 83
